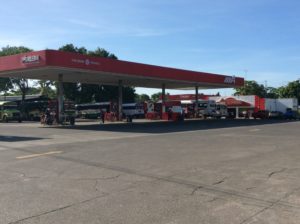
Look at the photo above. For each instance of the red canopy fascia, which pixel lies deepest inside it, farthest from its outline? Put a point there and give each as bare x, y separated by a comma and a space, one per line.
135, 73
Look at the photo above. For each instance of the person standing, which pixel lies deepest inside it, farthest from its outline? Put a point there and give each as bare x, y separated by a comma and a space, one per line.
102, 116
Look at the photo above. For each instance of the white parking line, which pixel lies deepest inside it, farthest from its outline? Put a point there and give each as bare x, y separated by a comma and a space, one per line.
37, 155
254, 130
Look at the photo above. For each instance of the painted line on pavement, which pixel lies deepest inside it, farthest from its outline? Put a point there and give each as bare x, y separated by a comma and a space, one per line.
38, 155
254, 130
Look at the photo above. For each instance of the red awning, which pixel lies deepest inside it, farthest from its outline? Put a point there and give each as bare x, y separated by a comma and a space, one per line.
232, 102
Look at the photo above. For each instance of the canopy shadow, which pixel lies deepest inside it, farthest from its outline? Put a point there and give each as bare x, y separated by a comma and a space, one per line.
171, 127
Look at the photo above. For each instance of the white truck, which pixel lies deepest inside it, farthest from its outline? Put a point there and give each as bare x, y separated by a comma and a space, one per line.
135, 110
281, 105
221, 111
206, 108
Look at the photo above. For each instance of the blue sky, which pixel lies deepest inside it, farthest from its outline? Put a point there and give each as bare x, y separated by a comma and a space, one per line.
257, 39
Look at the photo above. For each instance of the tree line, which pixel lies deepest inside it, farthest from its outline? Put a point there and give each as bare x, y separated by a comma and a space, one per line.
291, 90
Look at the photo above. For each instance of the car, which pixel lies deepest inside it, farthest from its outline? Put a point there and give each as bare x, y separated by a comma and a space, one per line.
262, 114
275, 115
290, 114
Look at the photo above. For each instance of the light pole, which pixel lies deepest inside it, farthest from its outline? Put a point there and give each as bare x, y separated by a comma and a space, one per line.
297, 94
246, 73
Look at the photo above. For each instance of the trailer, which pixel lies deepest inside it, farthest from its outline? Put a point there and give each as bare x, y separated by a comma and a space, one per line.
281, 105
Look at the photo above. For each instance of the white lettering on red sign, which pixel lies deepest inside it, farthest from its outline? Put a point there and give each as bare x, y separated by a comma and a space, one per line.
78, 61
86, 62
229, 80
30, 59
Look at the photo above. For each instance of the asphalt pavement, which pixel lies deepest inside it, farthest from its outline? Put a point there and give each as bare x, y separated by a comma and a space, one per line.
208, 172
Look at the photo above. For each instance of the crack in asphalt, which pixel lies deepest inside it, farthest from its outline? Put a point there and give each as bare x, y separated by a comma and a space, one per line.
59, 209
187, 183
196, 189
100, 178
275, 172
192, 184
97, 179
269, 203
219, 182
270, 206
250, 188
212, 200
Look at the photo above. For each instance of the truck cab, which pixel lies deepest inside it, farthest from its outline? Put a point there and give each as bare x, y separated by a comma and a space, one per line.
207, 108
221, 111
9, 112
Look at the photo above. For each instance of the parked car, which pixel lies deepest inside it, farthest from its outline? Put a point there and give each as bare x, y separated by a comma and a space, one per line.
290, 114
275, 115
262, 114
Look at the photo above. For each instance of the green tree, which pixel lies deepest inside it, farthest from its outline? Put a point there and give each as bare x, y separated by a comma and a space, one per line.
128, 94
142, 97
292, 90
72, 48
156, 96
45, 88
5, 85
100, 52
110, 93
20, 84
272, 92
8, 50
31, 91
251, 88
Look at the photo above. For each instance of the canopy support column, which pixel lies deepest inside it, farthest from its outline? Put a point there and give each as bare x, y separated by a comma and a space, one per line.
196, 101
237, 112
60, 98
163, 97
120, 100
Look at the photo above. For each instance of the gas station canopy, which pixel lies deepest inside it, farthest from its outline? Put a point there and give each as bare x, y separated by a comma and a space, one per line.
50, 64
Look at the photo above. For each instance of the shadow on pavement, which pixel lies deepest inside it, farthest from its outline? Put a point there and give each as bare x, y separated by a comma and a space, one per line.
169, 127
9, 138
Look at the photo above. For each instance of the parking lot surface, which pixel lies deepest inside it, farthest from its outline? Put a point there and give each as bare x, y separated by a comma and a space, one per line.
213, 171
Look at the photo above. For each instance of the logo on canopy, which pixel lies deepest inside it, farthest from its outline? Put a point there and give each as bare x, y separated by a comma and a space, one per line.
30, 59
229, 80
86, 62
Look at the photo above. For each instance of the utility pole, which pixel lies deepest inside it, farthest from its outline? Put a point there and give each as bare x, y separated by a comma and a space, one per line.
246, 73
266, 88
